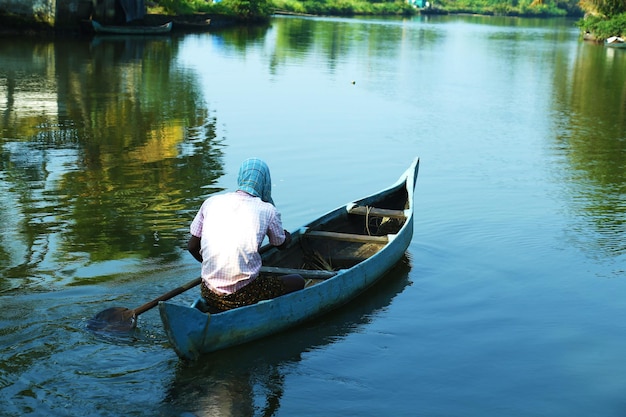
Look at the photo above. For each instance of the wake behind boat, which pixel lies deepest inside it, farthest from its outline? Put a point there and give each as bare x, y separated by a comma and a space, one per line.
132, 29
341, 254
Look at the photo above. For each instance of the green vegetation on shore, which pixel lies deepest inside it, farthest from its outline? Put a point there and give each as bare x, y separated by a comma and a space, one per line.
255, 9
602, 27
346, 7
247, 10
524, 8
259, 9
603, 18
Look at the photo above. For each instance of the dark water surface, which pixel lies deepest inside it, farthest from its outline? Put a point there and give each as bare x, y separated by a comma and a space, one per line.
510, 301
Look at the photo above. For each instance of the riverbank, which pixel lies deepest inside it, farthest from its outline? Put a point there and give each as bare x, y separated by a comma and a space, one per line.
598, 29
192, 22
197, 22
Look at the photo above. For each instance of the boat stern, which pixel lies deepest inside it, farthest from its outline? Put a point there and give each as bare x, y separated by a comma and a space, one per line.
185, 328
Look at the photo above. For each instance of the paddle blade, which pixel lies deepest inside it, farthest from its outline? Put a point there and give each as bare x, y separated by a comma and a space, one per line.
114, 319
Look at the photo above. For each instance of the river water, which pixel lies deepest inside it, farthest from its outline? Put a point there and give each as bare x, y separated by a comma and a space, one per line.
509, 302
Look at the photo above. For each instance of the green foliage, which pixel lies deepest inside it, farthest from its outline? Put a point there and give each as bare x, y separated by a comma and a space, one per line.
542, 10
526, 8
180, 7
293, 6
603, 28
251, 10
243, 9
605, 18
345, 7
605, 8
259, 9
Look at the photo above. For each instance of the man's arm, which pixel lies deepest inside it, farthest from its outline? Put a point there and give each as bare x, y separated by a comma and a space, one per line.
193, 246
286, 242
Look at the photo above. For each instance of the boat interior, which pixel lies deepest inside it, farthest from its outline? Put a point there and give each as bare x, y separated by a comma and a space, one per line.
343, 238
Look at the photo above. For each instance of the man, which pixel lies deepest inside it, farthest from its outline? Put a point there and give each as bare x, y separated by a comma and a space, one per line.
226, 235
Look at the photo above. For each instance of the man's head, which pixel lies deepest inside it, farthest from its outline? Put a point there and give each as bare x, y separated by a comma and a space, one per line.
254, 178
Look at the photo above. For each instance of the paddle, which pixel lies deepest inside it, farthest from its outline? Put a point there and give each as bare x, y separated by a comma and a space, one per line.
122, 319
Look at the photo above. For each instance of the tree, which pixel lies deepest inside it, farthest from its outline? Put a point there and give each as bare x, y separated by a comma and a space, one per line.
605, 8
250, 10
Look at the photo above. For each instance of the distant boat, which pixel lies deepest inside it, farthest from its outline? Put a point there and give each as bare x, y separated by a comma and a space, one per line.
615, 42
132, 29
341, 253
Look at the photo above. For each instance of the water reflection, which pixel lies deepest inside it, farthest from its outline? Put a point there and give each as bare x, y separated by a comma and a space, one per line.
591, 108
105, 147
108, 147
249, 380
242, 38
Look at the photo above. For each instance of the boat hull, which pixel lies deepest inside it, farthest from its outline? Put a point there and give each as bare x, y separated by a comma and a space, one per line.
132, 30
615, 42
194, 333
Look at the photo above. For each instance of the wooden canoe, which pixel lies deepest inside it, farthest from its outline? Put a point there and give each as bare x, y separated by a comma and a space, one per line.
132, 29
341, 254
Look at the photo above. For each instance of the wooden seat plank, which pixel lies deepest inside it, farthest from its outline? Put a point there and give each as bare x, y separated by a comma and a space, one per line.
348, 237
305, 273
378, 212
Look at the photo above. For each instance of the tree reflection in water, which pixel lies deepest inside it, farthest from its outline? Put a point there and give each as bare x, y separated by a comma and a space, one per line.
103, 165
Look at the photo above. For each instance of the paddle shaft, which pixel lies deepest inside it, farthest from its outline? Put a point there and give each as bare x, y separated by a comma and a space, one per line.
151, 304
147, 306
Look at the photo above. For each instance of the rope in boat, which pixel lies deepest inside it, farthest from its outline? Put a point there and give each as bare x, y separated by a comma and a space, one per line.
368, 209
